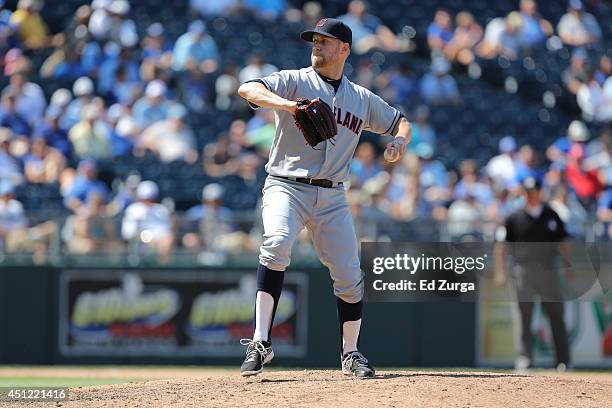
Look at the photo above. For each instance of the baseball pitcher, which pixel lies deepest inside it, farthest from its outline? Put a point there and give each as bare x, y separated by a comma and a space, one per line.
319, 115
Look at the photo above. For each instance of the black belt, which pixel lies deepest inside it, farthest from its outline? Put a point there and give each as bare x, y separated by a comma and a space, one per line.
314, 182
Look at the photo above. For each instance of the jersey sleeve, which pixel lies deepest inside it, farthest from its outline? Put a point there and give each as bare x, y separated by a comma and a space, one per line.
382, 118
281, 83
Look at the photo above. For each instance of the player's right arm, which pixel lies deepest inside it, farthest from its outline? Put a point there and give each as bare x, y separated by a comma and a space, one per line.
257, 94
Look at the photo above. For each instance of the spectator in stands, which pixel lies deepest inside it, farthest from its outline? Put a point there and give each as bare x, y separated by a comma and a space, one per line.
154, 45
365, 165
465, 218
114, 57
146, 224
250, 166
422, 133
398, 85
440, 32
256, 68
221, 157
207, 8
100, 20
527, 165
43, 164
576, 74
93, 230
32, 29
194, 89
434, 193
470, 184
584, 182
55, 136
196, 50
595, 100
502, 168
489, 47
237, 133
125, 90
578, 28
124, 136
65, 61
122, 30
599, 151
76, 35
83, 90
153, 106
9, 168
6, 29
403, 190
369, 32
15, 236
604, 70
15, 61
126, 194
534, 30
262, 136
82, 184
31, 103
604, 207
465, 38
226, 87
438, 87
12, 215
510, 43
10, 118
91, 136
171, 139
209, 224
577, 132
60, 99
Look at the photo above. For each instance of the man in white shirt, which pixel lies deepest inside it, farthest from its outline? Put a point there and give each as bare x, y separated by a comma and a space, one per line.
577, 27
501, 168
12, 216
148, 224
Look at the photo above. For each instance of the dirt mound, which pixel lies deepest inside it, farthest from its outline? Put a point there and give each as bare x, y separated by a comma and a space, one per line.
318, 388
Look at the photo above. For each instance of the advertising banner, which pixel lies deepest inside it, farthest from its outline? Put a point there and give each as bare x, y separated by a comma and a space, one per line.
174, 313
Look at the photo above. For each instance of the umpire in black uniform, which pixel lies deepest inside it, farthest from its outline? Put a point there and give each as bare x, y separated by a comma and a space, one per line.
535, 268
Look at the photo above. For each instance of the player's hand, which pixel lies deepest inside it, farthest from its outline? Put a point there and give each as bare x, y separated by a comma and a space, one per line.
395, 149
292, 107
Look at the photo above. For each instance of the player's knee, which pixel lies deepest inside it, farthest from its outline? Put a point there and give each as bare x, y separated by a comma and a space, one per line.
275, 252
350, 292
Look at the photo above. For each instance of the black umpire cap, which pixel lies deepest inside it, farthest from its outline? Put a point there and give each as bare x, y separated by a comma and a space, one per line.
330, 27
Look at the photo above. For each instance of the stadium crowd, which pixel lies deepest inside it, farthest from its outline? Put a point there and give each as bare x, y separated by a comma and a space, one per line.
133, 89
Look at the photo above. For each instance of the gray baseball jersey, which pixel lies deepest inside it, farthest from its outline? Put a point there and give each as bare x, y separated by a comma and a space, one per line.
289, 206
356, 109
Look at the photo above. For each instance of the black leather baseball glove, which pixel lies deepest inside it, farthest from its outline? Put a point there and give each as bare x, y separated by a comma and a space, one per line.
316, 121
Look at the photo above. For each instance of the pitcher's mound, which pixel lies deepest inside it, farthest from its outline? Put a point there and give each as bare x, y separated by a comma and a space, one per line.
321, 388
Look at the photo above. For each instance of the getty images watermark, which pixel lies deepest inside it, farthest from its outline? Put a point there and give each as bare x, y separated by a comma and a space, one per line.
425, 272
413, 264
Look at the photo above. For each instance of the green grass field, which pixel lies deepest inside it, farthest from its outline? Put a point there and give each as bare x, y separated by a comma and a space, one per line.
60, 382
83, 376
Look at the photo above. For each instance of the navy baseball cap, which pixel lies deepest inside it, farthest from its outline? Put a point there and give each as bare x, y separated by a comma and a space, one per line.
330, 27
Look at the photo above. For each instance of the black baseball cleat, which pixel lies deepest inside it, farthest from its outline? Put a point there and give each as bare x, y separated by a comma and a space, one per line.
355, 364
258, 353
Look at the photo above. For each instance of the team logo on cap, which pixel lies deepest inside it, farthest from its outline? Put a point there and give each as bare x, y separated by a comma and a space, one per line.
321, 22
